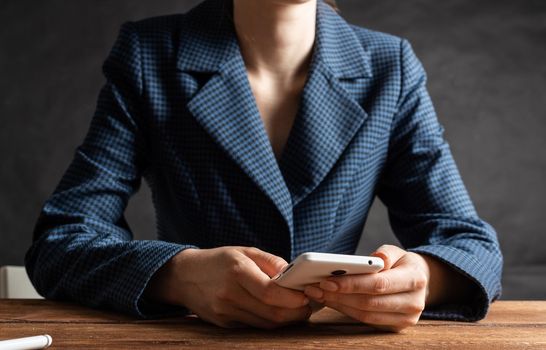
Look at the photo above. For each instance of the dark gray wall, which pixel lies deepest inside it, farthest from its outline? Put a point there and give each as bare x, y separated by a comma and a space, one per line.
486, 62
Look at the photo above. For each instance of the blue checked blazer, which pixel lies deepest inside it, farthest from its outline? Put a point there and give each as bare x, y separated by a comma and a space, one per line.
177, 110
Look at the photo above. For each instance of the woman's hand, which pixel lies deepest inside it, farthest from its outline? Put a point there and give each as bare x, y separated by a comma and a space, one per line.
230, 287
392, 299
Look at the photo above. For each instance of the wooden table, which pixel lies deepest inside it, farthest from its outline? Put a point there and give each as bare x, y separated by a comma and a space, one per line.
509, 325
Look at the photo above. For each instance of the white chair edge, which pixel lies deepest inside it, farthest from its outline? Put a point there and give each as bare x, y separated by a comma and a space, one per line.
15, 284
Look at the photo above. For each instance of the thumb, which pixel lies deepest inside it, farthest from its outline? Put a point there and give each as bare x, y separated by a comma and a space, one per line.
268, 263
390, 254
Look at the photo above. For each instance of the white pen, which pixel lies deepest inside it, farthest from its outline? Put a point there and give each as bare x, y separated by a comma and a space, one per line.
29, 343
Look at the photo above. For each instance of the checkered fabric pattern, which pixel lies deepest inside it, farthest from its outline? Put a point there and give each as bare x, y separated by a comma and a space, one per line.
177, 110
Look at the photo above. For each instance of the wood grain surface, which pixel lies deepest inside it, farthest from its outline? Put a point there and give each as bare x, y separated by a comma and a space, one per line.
509, 325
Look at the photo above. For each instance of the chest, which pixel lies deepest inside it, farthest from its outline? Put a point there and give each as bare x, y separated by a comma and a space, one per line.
278, 110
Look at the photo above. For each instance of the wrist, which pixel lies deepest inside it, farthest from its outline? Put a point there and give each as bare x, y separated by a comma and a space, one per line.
445, 284
168, 281
435, 277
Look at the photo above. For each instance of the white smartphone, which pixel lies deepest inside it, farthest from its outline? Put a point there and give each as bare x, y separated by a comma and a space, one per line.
309, 268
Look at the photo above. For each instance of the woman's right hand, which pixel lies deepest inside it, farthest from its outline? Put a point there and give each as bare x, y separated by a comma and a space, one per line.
230, 287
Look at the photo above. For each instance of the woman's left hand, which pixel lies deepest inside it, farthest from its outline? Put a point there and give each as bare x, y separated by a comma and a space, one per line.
392, 299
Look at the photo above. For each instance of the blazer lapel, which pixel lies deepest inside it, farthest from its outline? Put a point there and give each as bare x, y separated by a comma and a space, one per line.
225, 106
329, 115
328, 118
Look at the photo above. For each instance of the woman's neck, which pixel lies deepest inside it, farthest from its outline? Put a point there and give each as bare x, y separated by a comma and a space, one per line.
276, 36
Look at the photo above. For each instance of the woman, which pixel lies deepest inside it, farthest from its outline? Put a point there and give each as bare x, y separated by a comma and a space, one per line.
264, 129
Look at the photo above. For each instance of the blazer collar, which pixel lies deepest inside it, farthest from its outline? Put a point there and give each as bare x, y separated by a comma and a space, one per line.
209, 40
328, 116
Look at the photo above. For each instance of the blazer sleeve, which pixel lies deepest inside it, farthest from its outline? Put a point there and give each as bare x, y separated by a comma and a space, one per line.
429, 208
83, 249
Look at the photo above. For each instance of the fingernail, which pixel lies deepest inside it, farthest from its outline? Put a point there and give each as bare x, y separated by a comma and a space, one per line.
305, 301
329, 286
378, 254
314, 292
